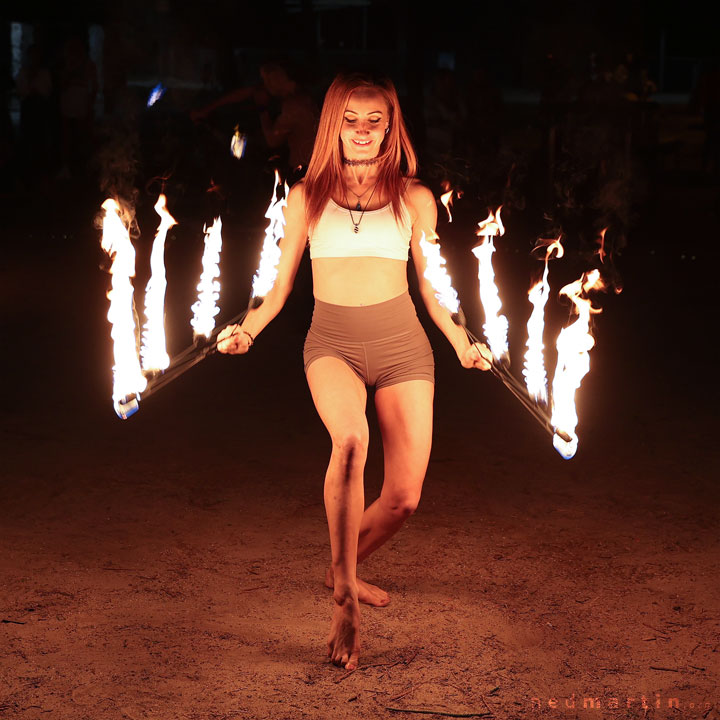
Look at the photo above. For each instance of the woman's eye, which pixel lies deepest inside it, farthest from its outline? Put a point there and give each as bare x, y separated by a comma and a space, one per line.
349, 121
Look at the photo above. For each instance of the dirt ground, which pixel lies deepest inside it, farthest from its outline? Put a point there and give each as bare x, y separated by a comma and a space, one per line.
171, 566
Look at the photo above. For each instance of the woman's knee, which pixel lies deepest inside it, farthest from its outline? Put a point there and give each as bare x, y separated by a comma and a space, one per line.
401, 503
350, 446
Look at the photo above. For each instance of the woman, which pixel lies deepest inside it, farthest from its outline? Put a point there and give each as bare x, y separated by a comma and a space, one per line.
362, 210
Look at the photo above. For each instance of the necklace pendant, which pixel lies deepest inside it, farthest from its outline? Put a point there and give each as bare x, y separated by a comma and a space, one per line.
358, 206
356, 229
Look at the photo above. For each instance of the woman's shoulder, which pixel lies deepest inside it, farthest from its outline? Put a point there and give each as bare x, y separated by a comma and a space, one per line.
297, 193
417, 195
416, 190
296, 202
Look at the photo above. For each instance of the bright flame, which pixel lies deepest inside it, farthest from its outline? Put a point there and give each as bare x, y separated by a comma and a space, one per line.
496, 325
267, 271
573, 362
238, 143
205, 309
127, 376
155, 94
534, 371
446, 200
438, 276
153, 351
601, 242
491, 225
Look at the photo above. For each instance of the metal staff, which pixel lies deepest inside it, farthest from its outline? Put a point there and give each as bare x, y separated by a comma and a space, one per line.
180, 363
500, 371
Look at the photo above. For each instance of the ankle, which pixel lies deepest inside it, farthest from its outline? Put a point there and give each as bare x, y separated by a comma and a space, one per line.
345, 593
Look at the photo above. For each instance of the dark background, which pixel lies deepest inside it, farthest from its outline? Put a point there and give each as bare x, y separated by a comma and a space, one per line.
223, 468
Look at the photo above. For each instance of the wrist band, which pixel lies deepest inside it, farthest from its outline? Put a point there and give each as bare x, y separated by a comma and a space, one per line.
252, 339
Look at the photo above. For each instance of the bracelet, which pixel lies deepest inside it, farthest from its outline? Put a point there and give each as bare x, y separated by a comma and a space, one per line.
252, 339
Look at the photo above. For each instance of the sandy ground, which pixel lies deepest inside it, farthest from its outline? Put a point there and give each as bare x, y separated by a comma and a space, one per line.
171, 566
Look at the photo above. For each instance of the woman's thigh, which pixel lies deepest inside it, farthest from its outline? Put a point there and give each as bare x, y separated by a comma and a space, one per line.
340, 398
405, 412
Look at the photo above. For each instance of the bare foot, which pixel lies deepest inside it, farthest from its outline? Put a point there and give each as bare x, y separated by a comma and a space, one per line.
367, 593
344, 639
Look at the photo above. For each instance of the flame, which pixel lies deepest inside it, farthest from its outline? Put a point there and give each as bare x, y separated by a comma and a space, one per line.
446, 200
205, 309
436, 273
496, 325
128, 379
153, 351
534, 371
155, 94
601, 242
267, 271
573, 361
491, 225
238, 143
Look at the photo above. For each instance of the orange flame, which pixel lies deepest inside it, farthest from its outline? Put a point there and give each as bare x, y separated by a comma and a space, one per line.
267, 271
601, 242
438, 276
205, 309
573, 361
491, 225
534, 370
496, 325
446, 200
238, 143
153, 351
128, 379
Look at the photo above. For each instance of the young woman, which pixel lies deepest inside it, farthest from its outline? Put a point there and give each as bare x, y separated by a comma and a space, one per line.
362, 211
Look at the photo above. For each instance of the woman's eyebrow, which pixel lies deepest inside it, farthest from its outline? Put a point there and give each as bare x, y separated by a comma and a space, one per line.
371, 112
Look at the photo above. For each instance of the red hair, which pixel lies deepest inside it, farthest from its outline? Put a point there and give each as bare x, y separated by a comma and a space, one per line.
397, 159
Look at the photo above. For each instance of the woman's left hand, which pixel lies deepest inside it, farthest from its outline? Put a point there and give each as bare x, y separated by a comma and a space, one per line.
478, 355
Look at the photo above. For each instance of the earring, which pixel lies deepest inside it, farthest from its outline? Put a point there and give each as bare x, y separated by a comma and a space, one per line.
387, 130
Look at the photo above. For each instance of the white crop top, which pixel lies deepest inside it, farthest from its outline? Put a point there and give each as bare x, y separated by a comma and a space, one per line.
379, 235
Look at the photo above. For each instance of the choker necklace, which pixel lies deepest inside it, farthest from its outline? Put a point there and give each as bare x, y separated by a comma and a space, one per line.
354, 163
356, 225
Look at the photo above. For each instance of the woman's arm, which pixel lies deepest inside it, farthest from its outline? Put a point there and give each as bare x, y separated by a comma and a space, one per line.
235, 339
424, 216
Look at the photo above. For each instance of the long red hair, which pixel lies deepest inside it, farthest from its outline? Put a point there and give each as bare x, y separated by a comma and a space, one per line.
397, 159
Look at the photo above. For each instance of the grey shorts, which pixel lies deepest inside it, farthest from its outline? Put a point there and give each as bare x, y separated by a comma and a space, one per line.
383, 343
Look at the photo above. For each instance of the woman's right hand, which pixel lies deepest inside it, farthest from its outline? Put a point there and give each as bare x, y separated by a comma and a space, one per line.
477, 355
233, 341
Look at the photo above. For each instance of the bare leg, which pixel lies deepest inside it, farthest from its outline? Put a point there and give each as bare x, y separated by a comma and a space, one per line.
340, 399
405, 416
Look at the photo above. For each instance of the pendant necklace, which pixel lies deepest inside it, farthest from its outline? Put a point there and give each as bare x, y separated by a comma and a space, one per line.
356, 225
358, 207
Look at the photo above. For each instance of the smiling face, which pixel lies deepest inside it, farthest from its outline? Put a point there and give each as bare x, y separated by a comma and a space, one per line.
365, 119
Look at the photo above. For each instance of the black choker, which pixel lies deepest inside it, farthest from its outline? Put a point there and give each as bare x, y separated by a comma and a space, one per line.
371, 161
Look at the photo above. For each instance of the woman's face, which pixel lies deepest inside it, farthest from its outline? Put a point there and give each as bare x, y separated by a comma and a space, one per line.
365, 120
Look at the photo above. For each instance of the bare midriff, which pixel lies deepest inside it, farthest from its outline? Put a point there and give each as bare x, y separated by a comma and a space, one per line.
358, 280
